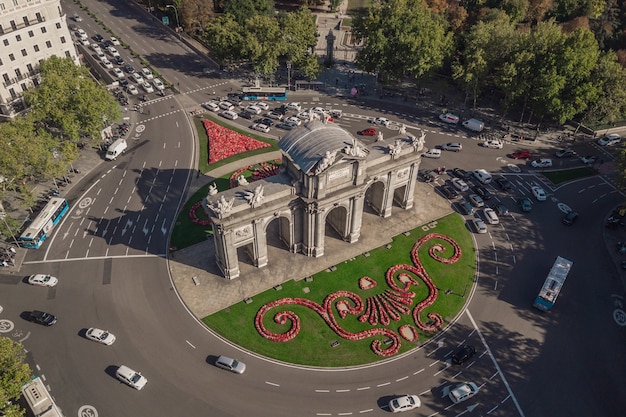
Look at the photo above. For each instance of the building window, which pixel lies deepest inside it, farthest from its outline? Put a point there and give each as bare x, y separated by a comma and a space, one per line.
1, 6
23, 85
43, 29
18, 38
6, 78
24, 52
31, 33
36, 81
15, 3
6, 42
12, 57
26, 21
39, 17
1, 28
29, 67
62, 39
58, 26
67, 54
36, 47
13, 25
18, 73
0, 62
12, 92
49, 44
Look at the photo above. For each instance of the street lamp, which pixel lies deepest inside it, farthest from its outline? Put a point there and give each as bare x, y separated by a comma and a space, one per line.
289, 75
177, 21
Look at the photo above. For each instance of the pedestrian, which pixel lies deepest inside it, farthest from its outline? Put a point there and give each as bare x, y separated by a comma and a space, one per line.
198, 174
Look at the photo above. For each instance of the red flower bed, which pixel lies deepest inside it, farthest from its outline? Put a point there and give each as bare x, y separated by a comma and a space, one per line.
194, 217
224, 143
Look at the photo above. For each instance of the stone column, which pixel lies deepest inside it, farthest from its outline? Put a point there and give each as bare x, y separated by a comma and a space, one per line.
226, 252
356, 217
387, 202
259, 244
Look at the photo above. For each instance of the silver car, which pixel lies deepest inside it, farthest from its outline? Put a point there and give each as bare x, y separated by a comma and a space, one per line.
232, 365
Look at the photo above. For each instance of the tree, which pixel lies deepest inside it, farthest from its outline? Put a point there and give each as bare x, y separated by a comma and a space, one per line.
14, 373
609, 105
298, 29
263, 43
68, 102
403, 38
224, 38
242, 10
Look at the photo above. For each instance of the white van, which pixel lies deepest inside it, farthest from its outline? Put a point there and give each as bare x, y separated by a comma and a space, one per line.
482, 175
474, 125
115, 149
130, 377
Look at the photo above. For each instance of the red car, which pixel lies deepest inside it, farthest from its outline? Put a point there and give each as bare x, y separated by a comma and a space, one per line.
521, 155
370, 131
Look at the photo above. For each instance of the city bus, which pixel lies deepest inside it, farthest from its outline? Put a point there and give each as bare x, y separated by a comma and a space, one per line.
264, 93
39, 229
39, 399
554, 282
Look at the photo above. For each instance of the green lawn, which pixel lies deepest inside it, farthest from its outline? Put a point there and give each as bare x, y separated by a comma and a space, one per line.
558, 177
312, 346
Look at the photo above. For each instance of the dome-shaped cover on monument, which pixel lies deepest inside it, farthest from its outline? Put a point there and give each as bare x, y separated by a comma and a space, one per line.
308, 144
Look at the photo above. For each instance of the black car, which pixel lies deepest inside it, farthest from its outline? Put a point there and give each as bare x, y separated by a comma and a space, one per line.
129, 68
570, 218
98, 37
246, 115
483, 192
449, 192
123, 82
119, 60
460, 173
266, 121
40, 317
463, 354
466, 208
107, 43
501, 209
286, 126
504, 184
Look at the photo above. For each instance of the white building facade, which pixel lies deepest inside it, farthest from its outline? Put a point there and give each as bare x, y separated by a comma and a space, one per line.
30, 31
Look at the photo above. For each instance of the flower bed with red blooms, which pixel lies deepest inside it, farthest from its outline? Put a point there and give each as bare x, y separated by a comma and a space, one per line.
194, 216
259, 172
224, 143
379, 309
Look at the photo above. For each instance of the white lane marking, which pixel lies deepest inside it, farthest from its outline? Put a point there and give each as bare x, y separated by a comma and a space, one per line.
189, 343
272, 384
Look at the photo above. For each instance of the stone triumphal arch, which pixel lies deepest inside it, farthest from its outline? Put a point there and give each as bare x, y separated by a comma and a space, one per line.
327, 178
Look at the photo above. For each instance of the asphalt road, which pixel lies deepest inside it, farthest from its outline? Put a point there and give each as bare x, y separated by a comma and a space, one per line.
111, 276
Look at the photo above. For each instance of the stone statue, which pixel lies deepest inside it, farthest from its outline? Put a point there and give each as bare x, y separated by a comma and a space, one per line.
241, 180
222, 206
418, 143
327, 160
379, 138
255, 198
403, 129
394, 150
355, 150
213, 189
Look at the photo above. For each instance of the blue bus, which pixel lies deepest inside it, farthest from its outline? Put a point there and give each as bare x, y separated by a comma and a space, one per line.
264, 93
39, 229
553, 284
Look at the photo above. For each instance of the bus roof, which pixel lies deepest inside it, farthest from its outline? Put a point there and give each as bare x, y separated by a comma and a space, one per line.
552, 286
43, 217
264, 89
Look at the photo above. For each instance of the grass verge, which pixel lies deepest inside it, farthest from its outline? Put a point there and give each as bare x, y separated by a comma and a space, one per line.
558, 177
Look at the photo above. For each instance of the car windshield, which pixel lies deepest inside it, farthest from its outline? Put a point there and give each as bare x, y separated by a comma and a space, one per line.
136, 378
104, 335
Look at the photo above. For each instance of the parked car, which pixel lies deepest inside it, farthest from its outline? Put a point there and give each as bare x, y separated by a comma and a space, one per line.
459, 184
262, 105
610, 140
77, 18
253, 109
266, 121
43, 280
526, 204
449, 192
246, 115
539, 193
483, 192
294, 107
147, 73
490, 216
118, 73
463, 392
230, 364
274, 115
147, 87
521, 155
449, 118
115, 41
85, 42
404, 403
286, 126
504, 184
570, 218
461, 173
100, 336
501, 209
370, 131
132, 89
588, 160
466, 208
158, 84
229, 114
98, 37
463, 354
452, 146
211, 106
565, 153
478, 225
476, 200
261, 127
541, 163
129, 68
293, 120
432, 153
493, 144
430, 176
380, 121
137, 77
118, 60
41, 317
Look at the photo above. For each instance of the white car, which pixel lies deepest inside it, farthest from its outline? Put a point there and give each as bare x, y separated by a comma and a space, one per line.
253, 110
404, 403
107, 64
118, 73
294, 107
380, 121
262, 105
490, 216
449, 118
229, 114
137, 77
432, 153
158, 84
463, 391
43, 280
261, 127
101, 56
304, 116
541, 163
459, 184
115, 41
147, 73
147, 87
77, 18
539, 193
610, 140
85, 42
100, 336
295, 120
130, 377
319, 110
226, 105
274, 115
112, 50
211, 106
479, 226
133, 90
493, 144
81, 34
96, 48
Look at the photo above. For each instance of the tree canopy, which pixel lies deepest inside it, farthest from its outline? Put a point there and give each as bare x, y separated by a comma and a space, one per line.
14, 373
